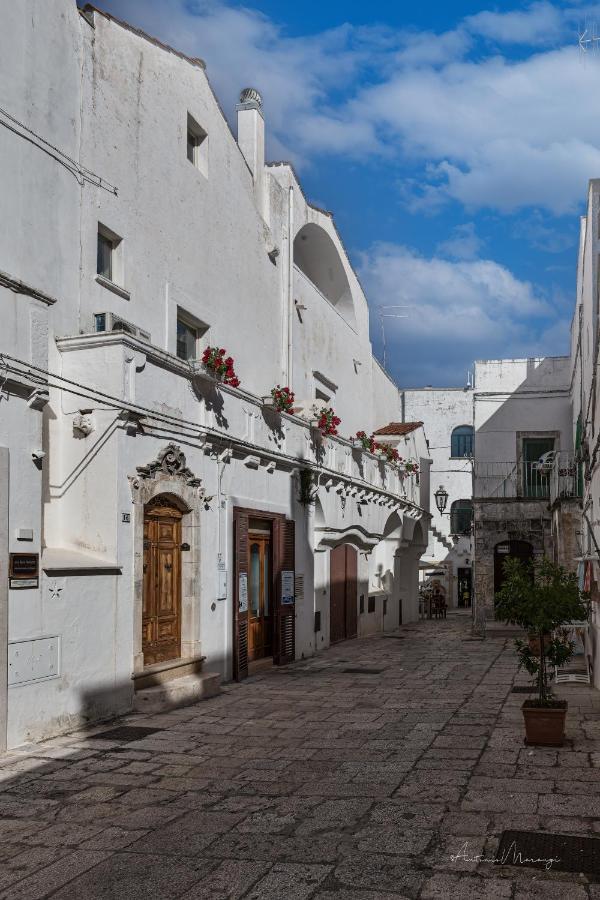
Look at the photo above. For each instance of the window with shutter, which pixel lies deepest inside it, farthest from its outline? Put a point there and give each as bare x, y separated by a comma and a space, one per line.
240, 618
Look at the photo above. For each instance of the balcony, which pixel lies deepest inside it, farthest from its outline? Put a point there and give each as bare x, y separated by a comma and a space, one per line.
566, 478
554, 476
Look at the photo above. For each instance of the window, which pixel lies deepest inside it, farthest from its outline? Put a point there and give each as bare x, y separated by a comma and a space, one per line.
189, 332
105, 249
197, 145
461, 442
324, 388
461, 517
535, 477
109, 257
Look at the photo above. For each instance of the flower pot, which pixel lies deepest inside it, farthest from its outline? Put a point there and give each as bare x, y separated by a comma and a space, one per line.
268, 402
545, 725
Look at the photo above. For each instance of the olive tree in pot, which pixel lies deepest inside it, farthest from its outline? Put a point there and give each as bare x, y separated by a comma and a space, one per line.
540, 598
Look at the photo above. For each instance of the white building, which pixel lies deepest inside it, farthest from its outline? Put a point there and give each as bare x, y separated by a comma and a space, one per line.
585, 468
182, 524
447, 414
523, 438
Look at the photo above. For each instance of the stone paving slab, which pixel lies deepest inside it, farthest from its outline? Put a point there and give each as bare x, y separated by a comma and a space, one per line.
311, 782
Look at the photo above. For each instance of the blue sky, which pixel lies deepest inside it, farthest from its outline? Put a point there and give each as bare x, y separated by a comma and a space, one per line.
452, 141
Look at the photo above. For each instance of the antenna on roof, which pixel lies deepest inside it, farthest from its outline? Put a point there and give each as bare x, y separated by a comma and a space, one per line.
386, 315
588, 39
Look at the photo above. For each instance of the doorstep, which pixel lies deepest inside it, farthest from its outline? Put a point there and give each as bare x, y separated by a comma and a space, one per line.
177, 692
161, 672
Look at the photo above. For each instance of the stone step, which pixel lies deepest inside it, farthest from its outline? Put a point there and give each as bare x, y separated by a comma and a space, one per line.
177, 692
162, 672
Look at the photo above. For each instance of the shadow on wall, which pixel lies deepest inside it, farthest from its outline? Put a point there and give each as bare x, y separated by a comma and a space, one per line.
512, 494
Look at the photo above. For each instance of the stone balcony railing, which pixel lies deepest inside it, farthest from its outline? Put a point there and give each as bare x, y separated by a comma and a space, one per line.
231, 416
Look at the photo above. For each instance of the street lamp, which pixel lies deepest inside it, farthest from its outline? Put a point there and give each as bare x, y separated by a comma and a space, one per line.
441, 499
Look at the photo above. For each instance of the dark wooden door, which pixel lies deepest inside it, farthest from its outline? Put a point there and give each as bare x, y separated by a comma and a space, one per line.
161, 616
260, 601
509, 550
343, 593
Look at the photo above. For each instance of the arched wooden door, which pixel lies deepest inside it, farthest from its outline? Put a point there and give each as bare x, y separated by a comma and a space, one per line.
343, 589
161, 616
509, 550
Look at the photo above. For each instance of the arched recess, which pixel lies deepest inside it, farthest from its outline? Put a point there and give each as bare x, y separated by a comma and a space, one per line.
317, 257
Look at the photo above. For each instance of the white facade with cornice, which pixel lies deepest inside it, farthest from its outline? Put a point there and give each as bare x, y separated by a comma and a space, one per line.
99, 144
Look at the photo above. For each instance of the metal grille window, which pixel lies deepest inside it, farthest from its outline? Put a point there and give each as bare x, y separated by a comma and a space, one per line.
461, 517
461, 442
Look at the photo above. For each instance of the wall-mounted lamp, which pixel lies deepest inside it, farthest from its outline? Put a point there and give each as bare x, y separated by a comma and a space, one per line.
441, 499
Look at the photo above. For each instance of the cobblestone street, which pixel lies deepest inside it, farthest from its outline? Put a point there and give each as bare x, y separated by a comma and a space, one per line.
311, 781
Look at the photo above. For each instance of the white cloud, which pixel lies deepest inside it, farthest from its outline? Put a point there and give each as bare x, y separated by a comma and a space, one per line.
486, 132
457, 311
541, 23
500, 134
464, 243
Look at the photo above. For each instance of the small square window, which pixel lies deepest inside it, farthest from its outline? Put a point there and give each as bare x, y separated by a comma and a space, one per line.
189, 332
109, 262
197, 145
187, 341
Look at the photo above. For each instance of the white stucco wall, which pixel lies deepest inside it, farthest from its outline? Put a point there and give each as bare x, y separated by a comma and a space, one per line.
442, 410
117, 104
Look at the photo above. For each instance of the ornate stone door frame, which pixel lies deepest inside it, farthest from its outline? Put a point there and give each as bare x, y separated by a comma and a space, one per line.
169, 475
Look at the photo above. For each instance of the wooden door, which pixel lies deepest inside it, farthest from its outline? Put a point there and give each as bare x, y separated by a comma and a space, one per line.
509, 549
343, 593
161, 616
260, 601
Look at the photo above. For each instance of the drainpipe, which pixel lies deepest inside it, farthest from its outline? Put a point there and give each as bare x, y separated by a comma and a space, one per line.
290, 290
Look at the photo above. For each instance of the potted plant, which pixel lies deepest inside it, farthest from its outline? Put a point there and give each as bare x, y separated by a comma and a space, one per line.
280, 399
389, 453
540, 598
326, 420
410, 467
219, 366
362, 441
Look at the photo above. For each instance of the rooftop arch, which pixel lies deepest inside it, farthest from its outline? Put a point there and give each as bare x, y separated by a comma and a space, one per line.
317, 257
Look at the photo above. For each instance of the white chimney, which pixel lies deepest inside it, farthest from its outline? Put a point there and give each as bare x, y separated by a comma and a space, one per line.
251, 139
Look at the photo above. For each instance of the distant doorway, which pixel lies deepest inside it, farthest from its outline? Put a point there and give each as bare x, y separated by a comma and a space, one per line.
260, 613
343, 593
509, 550
464, 581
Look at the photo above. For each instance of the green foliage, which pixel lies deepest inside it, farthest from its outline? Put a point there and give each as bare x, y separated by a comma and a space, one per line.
308, 490
540, 598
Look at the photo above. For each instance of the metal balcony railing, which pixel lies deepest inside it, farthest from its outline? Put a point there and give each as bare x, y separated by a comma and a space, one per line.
555, 475
566, 478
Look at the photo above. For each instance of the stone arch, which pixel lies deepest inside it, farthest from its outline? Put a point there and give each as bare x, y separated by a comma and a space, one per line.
317, 257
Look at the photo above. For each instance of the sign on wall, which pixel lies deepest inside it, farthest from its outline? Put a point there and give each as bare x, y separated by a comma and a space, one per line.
287, 587
221, 581
243, 593
24, 570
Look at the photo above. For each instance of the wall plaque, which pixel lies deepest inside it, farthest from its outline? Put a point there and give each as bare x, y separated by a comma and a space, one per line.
243, 593
24, 570
287, 587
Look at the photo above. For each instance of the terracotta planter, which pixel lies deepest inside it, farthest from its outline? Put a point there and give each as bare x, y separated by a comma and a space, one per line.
534, 642
545, 725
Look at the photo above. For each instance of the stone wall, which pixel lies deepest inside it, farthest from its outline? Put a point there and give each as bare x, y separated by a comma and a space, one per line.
497, 522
